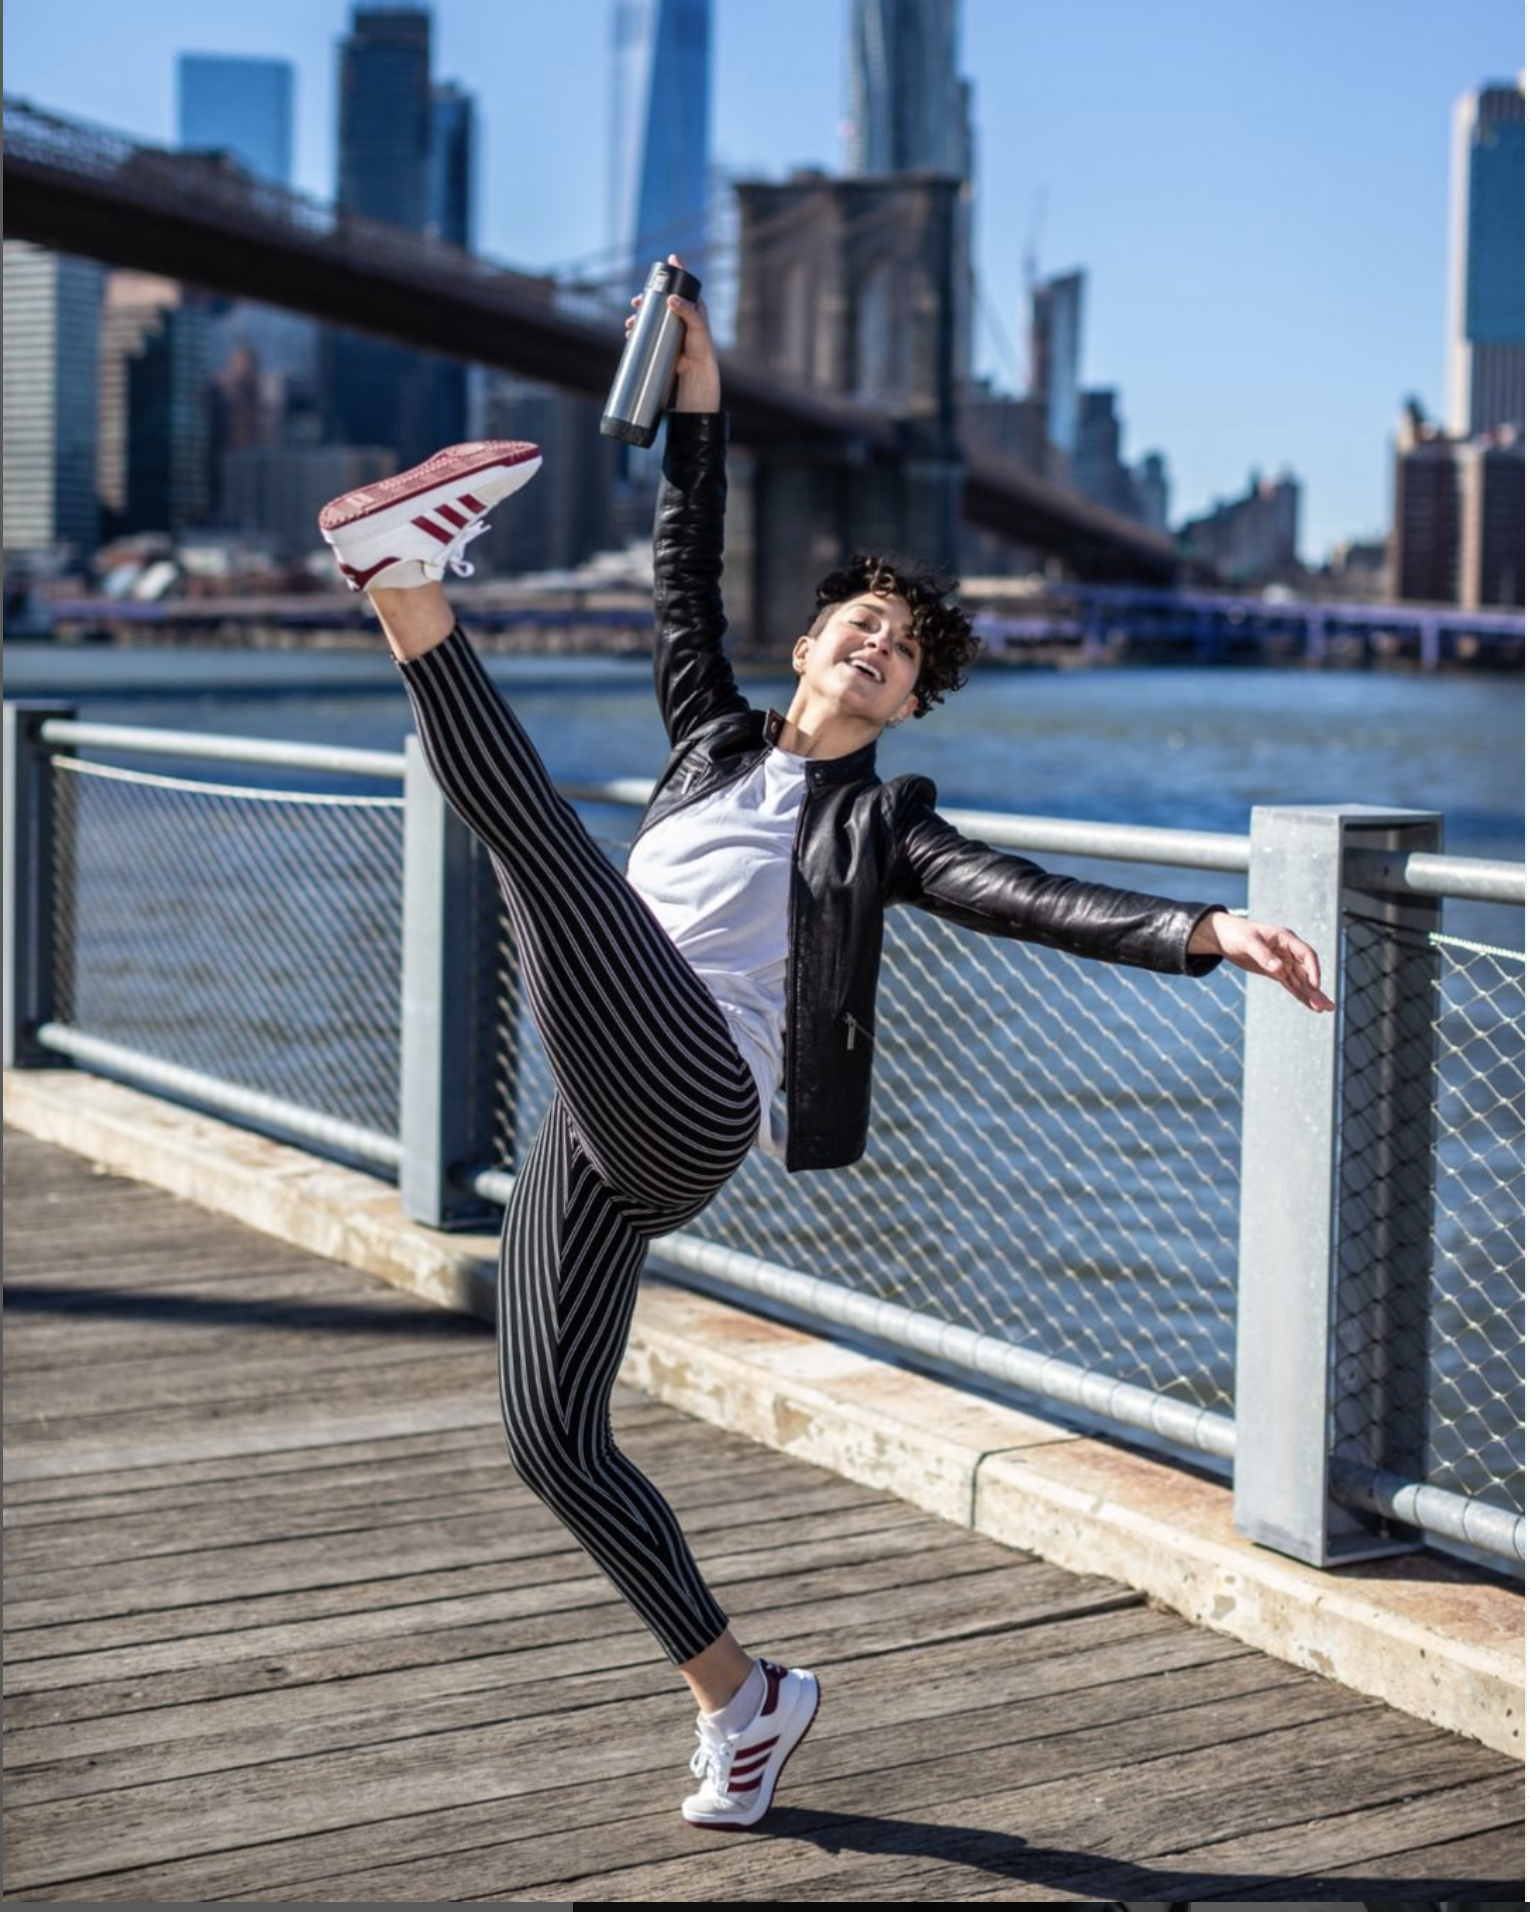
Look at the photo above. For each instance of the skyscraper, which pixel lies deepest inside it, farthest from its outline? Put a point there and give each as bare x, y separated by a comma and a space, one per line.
52, 312
1057, 351
908, 109
661, 69
242, 105
1487, 260
386, 115
910, 113
392, 170
449, 206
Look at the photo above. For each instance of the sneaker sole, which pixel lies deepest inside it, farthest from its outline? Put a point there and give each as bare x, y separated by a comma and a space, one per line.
457, 465
748, 1825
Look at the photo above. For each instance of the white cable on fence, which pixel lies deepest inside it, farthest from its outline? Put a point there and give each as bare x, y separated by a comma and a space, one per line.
224, 789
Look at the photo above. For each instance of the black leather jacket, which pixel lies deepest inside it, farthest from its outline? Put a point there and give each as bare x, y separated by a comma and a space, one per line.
861, 844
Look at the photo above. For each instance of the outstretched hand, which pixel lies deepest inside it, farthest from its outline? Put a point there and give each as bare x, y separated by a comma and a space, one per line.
1263, 950
698, 384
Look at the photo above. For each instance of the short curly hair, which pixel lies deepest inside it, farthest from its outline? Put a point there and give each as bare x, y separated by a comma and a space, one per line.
948, 644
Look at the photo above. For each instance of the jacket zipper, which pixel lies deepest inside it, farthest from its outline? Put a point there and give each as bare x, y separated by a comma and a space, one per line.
851, 1025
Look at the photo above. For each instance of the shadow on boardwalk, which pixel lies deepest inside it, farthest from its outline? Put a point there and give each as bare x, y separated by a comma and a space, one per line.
282, 1623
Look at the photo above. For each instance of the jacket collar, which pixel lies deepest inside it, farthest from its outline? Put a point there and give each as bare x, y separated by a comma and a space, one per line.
857, 766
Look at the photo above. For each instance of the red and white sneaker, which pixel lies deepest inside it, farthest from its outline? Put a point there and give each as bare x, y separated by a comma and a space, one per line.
738, 1771
406, 530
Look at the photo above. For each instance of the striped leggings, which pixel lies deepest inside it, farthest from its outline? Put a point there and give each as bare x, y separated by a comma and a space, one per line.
653, 1110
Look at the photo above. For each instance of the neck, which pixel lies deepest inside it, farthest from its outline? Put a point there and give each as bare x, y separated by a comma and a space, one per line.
807, 734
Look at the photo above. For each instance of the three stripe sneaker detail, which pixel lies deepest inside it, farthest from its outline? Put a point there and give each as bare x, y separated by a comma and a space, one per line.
407, 530
738, 1771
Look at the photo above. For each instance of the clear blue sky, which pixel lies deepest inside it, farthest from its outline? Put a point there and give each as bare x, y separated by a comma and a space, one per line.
1258, 192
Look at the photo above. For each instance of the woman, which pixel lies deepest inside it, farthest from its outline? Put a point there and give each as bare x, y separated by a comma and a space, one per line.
739, 953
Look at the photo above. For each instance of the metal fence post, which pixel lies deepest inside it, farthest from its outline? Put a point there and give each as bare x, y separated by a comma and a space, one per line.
33, 848
446, 1069
1336, 1210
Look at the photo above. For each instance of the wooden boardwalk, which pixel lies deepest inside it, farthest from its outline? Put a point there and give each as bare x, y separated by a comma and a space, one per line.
282, 1623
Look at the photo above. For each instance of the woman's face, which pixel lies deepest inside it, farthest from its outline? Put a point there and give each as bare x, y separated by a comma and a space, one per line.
866, 659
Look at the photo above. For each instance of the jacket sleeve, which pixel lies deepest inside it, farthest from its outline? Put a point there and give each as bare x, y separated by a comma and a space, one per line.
938, 869
691, 675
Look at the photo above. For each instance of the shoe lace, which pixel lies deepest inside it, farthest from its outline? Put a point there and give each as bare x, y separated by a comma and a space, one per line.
713, 1756
451, 554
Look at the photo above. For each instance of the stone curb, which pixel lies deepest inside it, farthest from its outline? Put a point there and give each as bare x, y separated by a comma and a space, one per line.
1420, 1632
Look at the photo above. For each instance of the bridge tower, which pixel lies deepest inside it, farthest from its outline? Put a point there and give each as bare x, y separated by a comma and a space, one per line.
846, 285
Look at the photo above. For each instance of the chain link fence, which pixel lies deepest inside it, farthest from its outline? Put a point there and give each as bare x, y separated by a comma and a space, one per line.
1429, 1327
248, 934
1054, 1159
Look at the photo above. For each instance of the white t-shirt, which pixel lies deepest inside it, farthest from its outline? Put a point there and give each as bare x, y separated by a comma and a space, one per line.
717, 874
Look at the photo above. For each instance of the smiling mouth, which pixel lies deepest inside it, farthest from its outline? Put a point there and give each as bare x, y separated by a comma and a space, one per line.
868, 670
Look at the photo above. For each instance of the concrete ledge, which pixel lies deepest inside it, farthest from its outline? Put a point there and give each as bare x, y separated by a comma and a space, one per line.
1422, 1633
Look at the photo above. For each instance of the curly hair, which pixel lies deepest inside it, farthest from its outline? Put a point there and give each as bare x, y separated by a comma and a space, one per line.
948, 644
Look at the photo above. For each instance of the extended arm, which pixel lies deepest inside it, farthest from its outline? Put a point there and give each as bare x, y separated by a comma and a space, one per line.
1000, 894
692, 676
968, 882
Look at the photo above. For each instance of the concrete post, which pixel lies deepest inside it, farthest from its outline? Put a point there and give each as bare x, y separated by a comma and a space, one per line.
446, 1069
1334, 1234
35, 858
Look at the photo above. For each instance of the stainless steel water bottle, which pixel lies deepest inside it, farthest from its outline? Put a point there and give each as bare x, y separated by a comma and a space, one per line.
640, 390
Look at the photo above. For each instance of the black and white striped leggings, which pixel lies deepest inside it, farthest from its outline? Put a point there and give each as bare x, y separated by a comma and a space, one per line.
653, 1110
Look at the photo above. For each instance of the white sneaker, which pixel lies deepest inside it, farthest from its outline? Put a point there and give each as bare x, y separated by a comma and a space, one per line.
738, 1771
406, 530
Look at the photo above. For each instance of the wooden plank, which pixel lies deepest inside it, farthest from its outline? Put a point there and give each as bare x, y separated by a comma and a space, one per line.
549, 1761
342, 1608
106, 1542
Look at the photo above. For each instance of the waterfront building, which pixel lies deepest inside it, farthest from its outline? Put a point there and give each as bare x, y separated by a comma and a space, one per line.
169, 404
1492, 472
1458, 528
661, 67
405, 159
130, 312
238, 105
1150, 489
910, 112
1486, 373
908, 109
52, 307
1057, 352
1098, 471
1251, 539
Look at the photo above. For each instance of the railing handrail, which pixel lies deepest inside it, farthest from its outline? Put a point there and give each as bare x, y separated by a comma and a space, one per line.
1478, 879
384, 765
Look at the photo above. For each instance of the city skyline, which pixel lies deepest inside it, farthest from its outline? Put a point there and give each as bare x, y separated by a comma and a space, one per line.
1271, 311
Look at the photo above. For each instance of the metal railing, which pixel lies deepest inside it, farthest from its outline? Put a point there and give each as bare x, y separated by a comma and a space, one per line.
1169, 1205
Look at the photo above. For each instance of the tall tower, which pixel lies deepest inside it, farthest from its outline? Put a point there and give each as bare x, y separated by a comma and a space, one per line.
378, 393
241, 105
385, 115
450, 207
910, 113
1057, 351
1486, 375
661, 68
52, 312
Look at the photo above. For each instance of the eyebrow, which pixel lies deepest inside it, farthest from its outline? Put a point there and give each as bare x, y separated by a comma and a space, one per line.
871, 602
